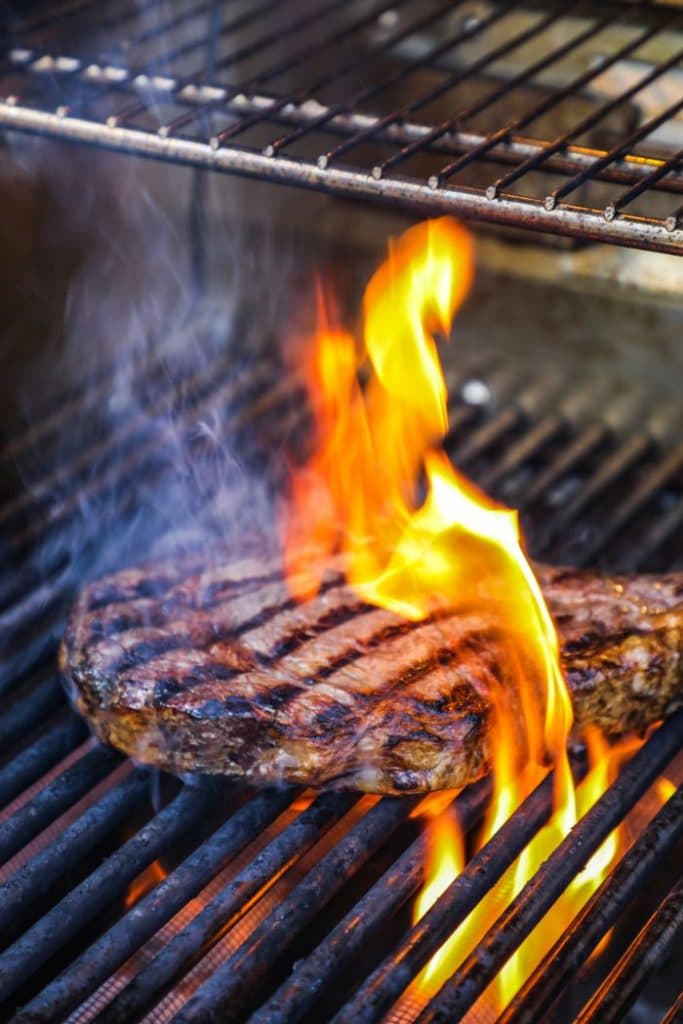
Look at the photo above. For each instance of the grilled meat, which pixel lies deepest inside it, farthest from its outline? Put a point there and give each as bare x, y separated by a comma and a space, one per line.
219, 671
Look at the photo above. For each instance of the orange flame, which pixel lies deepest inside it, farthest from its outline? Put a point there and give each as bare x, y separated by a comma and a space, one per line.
446, 545
146, 880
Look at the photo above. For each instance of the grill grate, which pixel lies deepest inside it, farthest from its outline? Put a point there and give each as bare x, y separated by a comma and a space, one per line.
254, 883
562, 118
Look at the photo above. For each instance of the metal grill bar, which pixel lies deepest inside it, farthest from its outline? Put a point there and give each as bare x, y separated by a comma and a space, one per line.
622, 200
597, 916
633, 139
452, 168
304, 94
577, 451
91, 896
389, 980
370, 91
583, 126
643, 957
35, 760
667, 527
675, 1014
47, 695
465, 34
629, 508
62, 105
264, 42
64, 791
148, 456
298, 995
629, 454
260, 874
149, 914
538, 895
28, 885
224, 996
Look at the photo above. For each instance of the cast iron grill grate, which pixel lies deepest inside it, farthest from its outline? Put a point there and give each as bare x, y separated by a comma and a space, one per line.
562, 118
198, 907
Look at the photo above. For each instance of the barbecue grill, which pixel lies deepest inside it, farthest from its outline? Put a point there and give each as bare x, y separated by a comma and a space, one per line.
126, 895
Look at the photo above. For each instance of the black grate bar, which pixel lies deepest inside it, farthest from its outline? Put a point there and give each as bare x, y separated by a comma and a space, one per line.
584, 444
28, 766
542, 108
525, 404
384, 986
66, 416
585, 124
644, 956
46, 696
232, 985
263, 42
380, 125
155, 441
626, 456
336, 110
55, 798
30, 883
345, 943
239, 126
83, 903
455, 122
146, 70
488, 434
597, 916
346, 69
667, 526
184, 949
675, 1014
538, 895
151, 912
132, 430
618, 151
145, 458
450, 82
617, 205
541, 432
632, 504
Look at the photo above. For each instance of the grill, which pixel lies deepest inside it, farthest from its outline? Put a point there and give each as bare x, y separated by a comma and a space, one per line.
127, 895
404, 103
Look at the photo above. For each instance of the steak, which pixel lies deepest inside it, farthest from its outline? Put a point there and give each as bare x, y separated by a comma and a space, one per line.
219, 671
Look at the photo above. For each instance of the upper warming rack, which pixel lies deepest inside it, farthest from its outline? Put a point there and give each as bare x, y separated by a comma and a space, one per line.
561, 117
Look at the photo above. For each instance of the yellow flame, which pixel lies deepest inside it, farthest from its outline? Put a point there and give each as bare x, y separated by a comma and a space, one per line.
416, 536
665, 789
445, 860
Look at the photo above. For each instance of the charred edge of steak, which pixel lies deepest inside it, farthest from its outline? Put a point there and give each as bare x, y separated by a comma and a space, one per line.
236, 738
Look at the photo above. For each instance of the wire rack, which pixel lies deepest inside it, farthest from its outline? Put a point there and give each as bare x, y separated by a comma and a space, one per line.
559, 117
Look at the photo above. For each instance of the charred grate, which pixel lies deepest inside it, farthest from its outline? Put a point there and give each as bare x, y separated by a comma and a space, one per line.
562, 118
123, 899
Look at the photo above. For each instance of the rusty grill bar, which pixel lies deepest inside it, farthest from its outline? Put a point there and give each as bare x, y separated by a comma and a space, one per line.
332, 876
402, 103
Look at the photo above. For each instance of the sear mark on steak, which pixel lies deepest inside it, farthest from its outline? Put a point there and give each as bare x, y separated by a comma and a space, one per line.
219, 671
